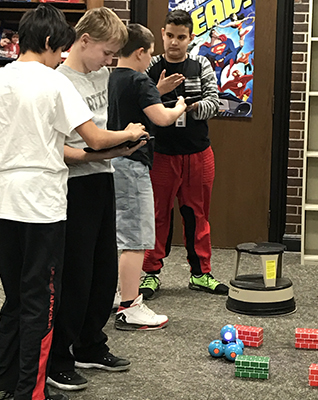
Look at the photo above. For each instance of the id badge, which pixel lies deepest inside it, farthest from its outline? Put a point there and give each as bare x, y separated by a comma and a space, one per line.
181, 121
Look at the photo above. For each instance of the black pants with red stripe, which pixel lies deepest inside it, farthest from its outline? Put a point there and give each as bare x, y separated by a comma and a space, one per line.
90, 271
31, 260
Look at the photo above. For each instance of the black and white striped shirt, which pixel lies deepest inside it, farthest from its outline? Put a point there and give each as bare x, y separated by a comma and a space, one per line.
200, 80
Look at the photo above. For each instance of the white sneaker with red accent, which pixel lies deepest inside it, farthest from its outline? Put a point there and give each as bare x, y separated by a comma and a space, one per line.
139, 317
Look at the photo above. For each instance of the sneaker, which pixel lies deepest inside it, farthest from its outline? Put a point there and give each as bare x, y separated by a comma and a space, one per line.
139, 317
67, 380
108, 362
149, 286
4, 395
207, 283
116, 303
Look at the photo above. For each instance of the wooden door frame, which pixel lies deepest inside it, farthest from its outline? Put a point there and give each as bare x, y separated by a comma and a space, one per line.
281, 116
281, 112
139, 11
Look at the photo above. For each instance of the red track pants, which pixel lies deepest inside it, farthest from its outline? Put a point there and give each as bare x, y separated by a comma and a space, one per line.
189, 178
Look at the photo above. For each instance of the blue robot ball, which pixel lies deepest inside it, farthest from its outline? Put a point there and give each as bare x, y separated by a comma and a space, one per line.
216, 348
240, 343
232, 350
228, 333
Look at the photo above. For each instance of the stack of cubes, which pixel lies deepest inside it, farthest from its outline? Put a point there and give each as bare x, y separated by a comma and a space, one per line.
250, 335
252, 367
313, 375
306, 338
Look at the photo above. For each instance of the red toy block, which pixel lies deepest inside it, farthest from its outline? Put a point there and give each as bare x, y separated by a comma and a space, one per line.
311, 346
306, 341
313, 375
314, 369
303, 333
250, 335
248, 330
252, 344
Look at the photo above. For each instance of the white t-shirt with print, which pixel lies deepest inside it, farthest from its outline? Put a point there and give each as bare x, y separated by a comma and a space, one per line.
93, 87
39, 108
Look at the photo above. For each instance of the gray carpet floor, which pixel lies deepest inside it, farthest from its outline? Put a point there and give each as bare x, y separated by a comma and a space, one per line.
174, 363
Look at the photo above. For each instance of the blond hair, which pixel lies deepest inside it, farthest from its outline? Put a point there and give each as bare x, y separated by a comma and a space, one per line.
102, 25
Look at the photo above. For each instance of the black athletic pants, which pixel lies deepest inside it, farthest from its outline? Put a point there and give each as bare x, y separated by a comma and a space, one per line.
90, 271
31, 259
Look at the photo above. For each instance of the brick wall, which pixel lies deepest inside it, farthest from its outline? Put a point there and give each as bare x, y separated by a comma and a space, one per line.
297, 118
121, 8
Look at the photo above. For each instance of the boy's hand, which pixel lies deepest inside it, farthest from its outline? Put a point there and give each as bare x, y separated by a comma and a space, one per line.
166, 85
127, 151
192, 107
136, 130
181, 102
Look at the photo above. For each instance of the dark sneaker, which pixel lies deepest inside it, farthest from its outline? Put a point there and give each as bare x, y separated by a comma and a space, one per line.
149, 286
207, 283
109, 362
4, 395
58, 397
67, 380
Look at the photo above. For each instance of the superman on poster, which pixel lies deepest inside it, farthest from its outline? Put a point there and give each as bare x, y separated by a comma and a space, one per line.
224, 33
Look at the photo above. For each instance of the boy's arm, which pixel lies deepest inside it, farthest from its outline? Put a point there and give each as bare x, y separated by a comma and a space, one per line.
79, 156
98, 139
162, 116
209, 105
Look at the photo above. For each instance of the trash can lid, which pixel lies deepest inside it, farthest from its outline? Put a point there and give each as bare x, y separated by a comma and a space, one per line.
261, 248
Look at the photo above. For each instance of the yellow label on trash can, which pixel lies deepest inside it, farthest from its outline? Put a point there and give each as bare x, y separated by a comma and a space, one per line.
270, 269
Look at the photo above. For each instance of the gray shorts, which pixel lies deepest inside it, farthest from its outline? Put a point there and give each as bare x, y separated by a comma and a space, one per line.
134, 205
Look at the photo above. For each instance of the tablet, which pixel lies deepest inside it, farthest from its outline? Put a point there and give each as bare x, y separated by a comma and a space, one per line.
187, 100
128, 143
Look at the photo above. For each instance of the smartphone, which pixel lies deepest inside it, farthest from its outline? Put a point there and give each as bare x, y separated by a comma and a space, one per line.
129, 144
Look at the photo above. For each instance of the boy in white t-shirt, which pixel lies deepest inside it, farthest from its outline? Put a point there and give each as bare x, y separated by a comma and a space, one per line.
39, 107
91, 261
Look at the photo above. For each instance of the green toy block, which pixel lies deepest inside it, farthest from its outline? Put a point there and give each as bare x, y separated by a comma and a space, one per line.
242, 374
252, 361
255, 370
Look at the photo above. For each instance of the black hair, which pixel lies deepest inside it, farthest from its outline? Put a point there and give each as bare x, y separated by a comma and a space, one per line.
239, 16
179, 17
37, 24
213, 28
138, 36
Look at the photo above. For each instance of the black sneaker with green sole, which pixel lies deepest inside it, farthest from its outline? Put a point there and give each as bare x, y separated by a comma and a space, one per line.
149, 286
207, 283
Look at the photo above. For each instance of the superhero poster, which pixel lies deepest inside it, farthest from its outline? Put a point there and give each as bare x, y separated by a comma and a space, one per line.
224, 33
